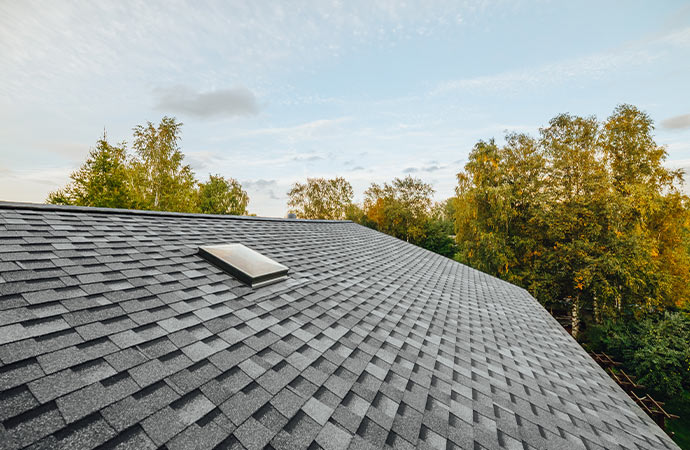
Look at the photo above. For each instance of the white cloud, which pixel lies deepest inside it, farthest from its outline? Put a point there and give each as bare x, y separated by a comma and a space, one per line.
300, 132
63, 45
221, 102
589, 67
431, 168
580, 69
31, 185
677, 122
679, 38
259, 184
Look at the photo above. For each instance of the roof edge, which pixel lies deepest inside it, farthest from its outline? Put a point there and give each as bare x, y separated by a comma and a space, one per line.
97, 210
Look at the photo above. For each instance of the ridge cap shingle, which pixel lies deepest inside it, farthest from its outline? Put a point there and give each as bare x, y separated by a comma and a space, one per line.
4, 204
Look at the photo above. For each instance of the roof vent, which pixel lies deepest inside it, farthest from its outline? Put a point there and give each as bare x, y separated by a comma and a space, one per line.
292, 216
245, 264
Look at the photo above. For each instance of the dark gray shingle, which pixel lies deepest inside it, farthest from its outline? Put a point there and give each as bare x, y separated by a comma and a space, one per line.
114, 332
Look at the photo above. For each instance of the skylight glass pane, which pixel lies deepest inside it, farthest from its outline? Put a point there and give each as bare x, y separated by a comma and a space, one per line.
246, 264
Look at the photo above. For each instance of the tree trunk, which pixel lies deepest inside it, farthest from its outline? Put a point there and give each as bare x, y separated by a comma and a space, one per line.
575, 317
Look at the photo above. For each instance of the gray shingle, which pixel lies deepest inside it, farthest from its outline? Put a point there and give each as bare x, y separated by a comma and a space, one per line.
125, 359
192, 407
270, 418
18, 373
87, 433
133, 409
243, 404
287, 402
156, 369
16, 401
71, 356
253, 435
194, 376
115, 332
34, 424
332, 437
197, 437
68, 380
302, 430
31, 328
133, 438
96, 396
163, 426
317, 411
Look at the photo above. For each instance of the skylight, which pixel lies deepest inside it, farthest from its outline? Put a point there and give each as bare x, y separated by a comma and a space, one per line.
247, 265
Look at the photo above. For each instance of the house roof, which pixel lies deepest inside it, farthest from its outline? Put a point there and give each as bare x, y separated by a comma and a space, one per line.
114, 332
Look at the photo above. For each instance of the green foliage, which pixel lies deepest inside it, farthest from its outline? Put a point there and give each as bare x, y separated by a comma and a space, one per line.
161, 181
618, 338
680, 405
654, 349
355, 213
400, 208
155, 178
497, 196
222, 196
662, 360
60, 197
585, 215
438, 237
321, 198
102, 181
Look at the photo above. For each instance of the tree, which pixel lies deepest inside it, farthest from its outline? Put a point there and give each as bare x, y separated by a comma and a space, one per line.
445, 211
662, 360
102, 181
498, 194
161, 181
655, 349
634, 159
439, 238
439, 229
400, 208
566, 217
574, 214
651, 216
321, 198
155, 178
222, 196
355, 213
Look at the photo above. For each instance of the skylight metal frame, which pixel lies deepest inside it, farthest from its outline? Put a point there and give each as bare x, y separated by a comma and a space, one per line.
245, 264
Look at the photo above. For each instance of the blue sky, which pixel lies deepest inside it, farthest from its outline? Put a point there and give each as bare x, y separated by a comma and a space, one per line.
273, 93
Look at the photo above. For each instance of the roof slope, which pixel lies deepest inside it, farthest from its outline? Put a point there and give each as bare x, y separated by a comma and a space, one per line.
114, 332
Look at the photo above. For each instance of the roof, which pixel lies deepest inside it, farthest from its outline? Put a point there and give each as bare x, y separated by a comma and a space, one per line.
114, 332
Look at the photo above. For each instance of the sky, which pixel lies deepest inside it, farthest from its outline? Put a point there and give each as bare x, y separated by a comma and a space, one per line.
271, 93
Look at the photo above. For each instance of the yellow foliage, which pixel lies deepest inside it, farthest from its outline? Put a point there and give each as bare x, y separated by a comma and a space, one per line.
579, 282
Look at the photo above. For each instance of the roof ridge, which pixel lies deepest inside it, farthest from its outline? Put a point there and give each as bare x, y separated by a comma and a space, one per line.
98, 210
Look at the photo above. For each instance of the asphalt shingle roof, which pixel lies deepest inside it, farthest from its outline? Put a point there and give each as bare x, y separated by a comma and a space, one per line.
115, 333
